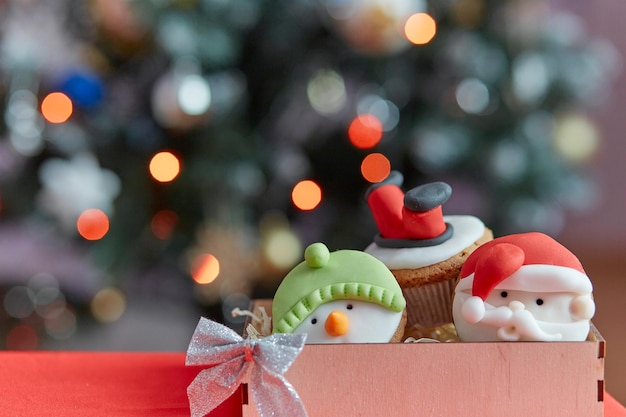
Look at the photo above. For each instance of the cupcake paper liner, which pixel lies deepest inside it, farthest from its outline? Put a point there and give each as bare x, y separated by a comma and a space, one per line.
431, 304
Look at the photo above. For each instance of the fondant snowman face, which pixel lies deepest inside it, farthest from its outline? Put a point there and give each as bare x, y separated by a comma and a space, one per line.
349, 321
516, 315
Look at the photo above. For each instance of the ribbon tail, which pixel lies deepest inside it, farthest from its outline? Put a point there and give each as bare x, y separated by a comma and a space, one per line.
274, 396
213, 386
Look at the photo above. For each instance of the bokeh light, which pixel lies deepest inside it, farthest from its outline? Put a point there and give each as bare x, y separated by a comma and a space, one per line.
306, 195
327, 92
472, 95
25, 124
108, 305
531, 77
164, 166
205, 268
194, 95
375, 167
438, 147
282, 248
56, 107
575, 138
365, 131
22, 337
19, 302
420, 28
84, 88
163, 223
48, 298
61, 325
508, 162
53, 310
385, 111
92, 224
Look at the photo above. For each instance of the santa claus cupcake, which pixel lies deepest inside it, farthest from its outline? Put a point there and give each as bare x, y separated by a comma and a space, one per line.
423, 248
523, 287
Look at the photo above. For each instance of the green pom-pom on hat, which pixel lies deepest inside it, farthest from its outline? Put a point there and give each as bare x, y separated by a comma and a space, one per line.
327, 276
316, 255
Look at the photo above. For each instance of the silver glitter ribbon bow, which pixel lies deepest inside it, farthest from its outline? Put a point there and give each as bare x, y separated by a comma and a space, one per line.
263, 361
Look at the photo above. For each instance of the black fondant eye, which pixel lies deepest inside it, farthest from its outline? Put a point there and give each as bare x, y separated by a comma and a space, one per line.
349, 306
504, 294
539, 301
313, 321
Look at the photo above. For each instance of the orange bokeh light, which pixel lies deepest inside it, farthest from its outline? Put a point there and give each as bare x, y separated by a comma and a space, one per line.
306, 195
163, 224
56, 107
92, 224
375, 167
164, 166
205, 269
365, 131
420, 28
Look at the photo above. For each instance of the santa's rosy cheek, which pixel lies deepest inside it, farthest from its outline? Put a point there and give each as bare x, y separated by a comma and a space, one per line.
582, 308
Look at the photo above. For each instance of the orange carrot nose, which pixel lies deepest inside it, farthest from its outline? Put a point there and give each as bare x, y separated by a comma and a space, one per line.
337, 323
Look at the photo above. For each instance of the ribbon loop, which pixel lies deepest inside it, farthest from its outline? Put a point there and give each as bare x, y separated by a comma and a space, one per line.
265, 360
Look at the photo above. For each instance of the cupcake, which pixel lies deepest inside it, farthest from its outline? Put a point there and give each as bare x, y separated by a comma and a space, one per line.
523, 287
424, 249
345, 296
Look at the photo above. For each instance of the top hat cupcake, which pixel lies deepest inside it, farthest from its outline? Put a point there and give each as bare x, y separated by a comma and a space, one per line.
423, 248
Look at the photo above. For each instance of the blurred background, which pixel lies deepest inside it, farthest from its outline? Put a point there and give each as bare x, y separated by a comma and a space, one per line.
166, 159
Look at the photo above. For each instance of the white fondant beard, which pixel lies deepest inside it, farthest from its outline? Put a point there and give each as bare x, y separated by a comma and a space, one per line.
369, 323
467, 230
520, 318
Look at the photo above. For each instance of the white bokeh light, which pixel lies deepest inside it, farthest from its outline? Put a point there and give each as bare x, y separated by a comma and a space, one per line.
472, 95
194, 95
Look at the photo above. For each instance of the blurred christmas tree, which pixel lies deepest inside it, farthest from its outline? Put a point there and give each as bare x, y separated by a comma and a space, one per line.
145, 143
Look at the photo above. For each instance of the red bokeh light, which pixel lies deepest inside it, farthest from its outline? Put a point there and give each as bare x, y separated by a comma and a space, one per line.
92, 224
365, 131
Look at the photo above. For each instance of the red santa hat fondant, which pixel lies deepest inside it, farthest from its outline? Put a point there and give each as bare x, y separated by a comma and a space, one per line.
531, 262
410, 219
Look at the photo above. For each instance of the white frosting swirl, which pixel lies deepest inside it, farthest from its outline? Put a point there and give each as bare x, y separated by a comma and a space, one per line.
467, 230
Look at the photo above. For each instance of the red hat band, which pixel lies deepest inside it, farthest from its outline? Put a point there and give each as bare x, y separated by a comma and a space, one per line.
423, 225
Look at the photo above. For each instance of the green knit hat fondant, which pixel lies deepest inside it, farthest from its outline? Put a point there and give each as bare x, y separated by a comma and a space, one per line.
326, 276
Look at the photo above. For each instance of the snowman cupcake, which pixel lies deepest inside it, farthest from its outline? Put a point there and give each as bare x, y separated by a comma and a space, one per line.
523, 287
423, 248
346, 296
